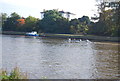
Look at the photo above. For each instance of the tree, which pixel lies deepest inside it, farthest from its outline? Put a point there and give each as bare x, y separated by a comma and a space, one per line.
54, 22
21, 22
4, 17
116, 19
80, 25
16, 23
74, 25
85, 19
30, 24
108, 19
15, 16
11, 22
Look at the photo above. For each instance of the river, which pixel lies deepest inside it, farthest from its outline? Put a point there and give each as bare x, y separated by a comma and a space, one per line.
56, 58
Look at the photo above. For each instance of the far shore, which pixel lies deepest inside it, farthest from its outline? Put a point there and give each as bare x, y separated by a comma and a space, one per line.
73, 36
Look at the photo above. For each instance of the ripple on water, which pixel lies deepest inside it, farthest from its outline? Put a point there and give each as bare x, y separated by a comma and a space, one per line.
60, 59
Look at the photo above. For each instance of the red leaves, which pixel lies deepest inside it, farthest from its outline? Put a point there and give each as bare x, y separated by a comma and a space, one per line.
21, 21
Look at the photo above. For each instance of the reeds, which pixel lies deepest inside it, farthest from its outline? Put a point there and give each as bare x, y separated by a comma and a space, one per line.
14, 74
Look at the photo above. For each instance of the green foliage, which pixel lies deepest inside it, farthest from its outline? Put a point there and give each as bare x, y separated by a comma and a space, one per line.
74, 25
30, 24
14, 74
52, 14
85, 19
109, 23
10, 23
80, 25
4, 17
53, 22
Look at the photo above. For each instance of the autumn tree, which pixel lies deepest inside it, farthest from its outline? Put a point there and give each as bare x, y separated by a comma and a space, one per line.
21, 22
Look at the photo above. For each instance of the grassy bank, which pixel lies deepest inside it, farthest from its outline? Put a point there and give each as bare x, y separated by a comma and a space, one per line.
84, 37
76, 36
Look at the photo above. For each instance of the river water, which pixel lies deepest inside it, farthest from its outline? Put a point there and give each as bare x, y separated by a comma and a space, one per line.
55, 58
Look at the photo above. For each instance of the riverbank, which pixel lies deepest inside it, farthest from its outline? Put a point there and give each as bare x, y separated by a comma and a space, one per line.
73, 36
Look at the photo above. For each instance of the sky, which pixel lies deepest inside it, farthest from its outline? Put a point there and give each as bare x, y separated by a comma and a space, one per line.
33, 8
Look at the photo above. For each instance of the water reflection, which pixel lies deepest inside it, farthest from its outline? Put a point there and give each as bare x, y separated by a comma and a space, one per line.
60, 58
107, 60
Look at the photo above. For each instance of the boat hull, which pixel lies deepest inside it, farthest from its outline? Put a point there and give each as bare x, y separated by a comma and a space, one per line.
32, 35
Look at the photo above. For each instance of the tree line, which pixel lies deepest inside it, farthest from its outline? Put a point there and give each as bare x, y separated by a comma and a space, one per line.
108, 23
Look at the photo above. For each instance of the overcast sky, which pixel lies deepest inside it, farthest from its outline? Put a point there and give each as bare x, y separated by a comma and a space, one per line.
34, 7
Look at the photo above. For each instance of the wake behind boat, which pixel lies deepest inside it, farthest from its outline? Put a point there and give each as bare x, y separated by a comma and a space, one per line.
34, 33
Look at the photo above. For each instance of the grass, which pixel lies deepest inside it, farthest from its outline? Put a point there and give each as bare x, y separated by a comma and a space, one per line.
14, 74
